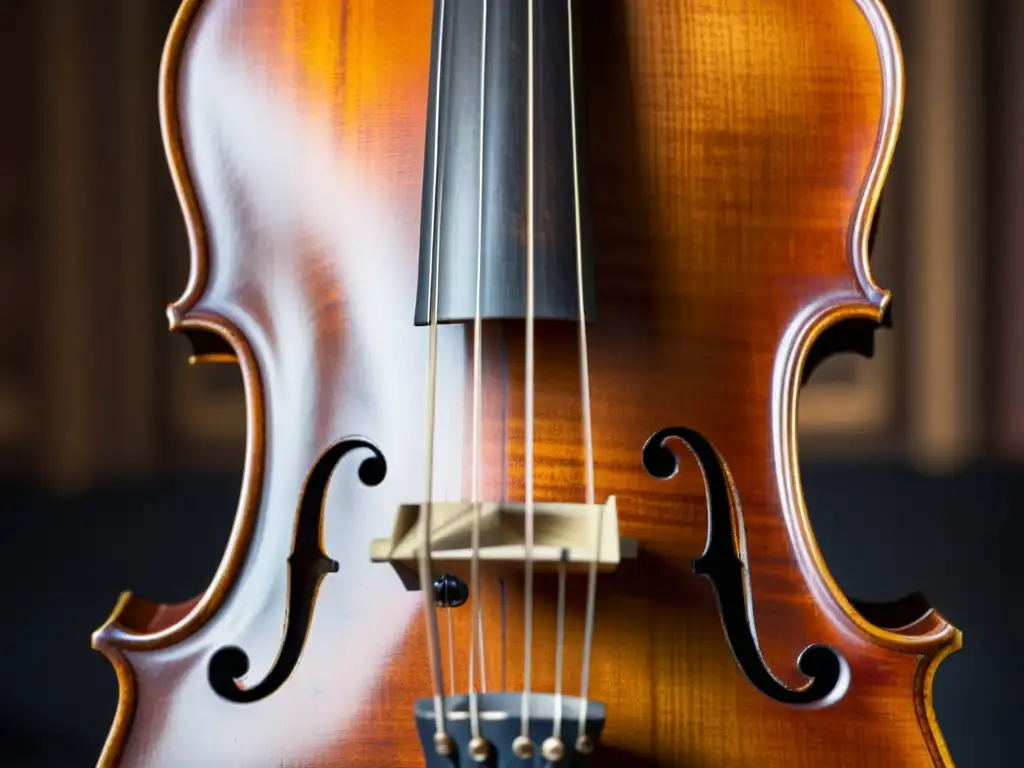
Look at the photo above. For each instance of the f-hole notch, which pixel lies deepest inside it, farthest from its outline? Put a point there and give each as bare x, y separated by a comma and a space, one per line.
721, 565
308, 564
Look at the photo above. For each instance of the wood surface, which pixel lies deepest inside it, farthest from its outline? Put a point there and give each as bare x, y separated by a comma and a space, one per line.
736, 150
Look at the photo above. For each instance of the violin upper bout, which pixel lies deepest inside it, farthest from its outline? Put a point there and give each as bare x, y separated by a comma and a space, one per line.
865, 219
845, 318
171, 133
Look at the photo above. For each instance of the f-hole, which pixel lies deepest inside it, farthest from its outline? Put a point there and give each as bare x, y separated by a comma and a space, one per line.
721, 565
308, 564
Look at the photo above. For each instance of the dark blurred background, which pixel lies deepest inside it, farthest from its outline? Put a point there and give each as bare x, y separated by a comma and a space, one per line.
120, 464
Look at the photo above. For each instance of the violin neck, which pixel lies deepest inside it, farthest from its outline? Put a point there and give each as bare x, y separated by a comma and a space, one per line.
489, 123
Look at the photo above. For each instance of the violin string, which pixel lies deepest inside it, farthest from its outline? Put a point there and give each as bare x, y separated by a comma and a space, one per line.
588, 434
503, 598
585, 395
477, 624
528, 415
451, 651
483, 661
426, 581
556, 730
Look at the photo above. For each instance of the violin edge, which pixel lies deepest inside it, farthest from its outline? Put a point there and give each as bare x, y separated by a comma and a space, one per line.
833, 310
124, 714
171, 135
941, 639
924, 702
894, 98
120, 632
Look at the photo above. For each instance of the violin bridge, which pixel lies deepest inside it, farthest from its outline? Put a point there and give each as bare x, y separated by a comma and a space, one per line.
562, 533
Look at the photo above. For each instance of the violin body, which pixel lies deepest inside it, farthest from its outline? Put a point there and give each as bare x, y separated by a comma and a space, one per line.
735, 153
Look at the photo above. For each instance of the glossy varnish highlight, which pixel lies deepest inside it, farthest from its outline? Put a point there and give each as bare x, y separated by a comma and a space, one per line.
735, 154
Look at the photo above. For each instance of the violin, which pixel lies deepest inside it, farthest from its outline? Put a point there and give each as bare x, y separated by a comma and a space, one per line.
523, 293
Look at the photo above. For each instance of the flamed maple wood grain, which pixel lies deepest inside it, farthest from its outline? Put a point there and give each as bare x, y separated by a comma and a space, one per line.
736, 150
